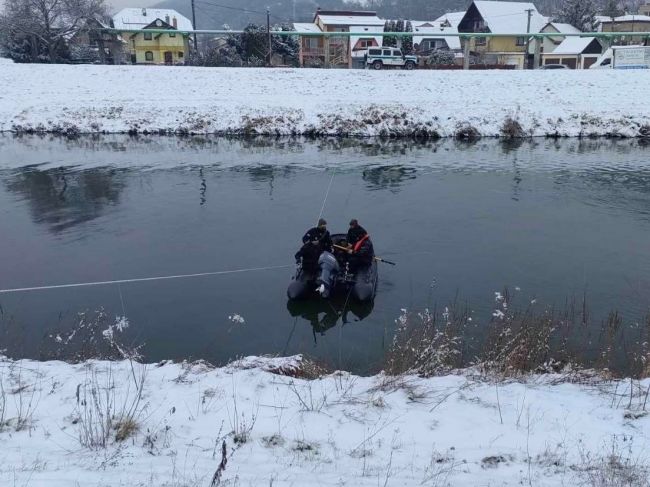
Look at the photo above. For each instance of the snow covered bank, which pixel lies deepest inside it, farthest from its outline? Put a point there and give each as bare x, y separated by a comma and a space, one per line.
150, 99
337, 430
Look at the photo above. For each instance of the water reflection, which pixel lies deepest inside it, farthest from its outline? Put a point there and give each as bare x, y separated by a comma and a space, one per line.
325, 314
62, 198
388, 177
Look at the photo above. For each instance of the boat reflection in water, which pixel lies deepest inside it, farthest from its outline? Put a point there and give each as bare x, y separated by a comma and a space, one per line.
324, 314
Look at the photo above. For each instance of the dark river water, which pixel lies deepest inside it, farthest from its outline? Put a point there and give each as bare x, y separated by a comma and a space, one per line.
549, 219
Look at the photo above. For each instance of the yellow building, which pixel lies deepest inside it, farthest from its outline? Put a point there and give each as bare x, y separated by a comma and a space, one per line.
150, 47
501, 18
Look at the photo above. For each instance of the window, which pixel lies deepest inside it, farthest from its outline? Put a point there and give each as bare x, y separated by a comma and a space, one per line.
386, 52
521, 41
312, 43
148, 56
397, 52
481, 41
365, 43
374, 52
180, 54
172, 34
147, 36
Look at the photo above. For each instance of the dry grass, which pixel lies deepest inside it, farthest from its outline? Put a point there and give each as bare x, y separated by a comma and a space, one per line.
514, 341
511, 128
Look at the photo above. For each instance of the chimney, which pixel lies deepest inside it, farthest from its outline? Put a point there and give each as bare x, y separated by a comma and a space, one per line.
175, 23
144, 12
167, 19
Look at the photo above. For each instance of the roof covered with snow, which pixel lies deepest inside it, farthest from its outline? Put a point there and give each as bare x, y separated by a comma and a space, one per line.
422, 33
350, 19
573, 45
454, 18
629, 18
563, 28
510, 17
370, 29
138, 18
306, 27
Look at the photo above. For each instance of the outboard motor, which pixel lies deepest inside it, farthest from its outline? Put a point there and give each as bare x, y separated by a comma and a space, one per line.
329, 269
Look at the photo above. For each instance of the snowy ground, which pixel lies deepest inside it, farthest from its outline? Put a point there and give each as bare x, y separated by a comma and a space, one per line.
60, 98
337, 430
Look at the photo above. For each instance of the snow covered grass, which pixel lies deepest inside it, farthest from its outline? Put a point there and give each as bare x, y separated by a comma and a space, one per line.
182, 100
251, 424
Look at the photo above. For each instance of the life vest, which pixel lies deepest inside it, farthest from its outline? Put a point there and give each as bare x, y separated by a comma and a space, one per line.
357, 246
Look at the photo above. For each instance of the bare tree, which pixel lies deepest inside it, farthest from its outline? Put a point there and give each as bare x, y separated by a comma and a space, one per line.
37, 30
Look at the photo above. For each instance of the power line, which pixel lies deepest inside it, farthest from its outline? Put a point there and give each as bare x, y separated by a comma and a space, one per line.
245, 10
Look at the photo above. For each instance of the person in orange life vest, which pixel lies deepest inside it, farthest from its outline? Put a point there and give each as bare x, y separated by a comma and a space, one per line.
355, 233
360, 247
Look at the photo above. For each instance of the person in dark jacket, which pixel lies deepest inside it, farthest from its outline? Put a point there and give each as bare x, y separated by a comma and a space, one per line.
308, 256
362, 254
355, 233
319, 235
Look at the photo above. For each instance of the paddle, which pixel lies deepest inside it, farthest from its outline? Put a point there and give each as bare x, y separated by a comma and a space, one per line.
378, 259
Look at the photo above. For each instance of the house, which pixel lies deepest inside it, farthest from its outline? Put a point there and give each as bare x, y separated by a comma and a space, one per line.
425, 40
575, 52
92, 43
149, 47
337, 51
549, 44
625, 23
498, 17
644, 9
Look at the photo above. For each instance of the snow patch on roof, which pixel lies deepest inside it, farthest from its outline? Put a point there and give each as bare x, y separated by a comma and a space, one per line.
138, 18
510, 17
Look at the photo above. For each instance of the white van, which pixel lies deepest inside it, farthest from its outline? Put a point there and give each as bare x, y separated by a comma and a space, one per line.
624, 57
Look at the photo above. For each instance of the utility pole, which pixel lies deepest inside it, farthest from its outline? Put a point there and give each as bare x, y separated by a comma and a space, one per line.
530, 14
196, 47
268, 30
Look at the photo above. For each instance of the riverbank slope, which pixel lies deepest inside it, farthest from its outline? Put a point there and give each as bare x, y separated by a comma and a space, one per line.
280, 422
183, 100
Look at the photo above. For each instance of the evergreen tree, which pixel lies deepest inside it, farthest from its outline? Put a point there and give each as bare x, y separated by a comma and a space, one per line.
579, 13
385, 41
441, 57
393, 28
407, 41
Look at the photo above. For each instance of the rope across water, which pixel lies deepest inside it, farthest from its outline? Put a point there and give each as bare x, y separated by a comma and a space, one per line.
142, 279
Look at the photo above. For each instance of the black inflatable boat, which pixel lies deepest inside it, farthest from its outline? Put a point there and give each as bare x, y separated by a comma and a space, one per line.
334, 277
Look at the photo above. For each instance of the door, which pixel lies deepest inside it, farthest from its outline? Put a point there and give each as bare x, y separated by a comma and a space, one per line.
168, 57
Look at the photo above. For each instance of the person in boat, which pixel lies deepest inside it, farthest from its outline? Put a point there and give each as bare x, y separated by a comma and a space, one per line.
355, 233
319, 235
308, 256
360, 254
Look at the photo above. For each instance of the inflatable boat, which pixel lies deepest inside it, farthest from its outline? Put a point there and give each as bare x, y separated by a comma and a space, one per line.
334, 277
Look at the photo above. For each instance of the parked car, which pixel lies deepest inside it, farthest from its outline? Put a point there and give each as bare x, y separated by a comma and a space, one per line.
385, 57
555, 66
